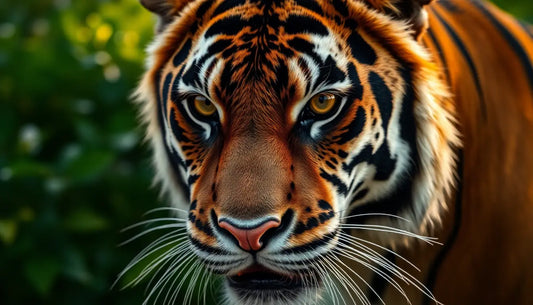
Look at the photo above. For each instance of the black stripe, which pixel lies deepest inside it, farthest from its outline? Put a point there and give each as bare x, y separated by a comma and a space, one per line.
468, 59
310, 246
311, 5
206, 248
299, 24
437, 263
334, 179
441, 55
173, 158
379, 283
511, 40
180, 57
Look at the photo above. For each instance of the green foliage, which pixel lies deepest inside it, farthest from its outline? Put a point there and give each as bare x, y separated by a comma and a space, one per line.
72, 169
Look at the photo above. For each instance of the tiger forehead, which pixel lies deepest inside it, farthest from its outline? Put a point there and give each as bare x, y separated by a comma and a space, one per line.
255, 41
256, 36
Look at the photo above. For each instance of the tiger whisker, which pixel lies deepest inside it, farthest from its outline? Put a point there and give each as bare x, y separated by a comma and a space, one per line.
348, 278
196, 264
165, 209
345, 279
160, 243
138, 258
391, 267
162, 227
339, 277
379, 259
144, 222
175, 275
375, 214
190, 288
358, 240
156, 268
374, 269
144, 272
167, 275
387, 229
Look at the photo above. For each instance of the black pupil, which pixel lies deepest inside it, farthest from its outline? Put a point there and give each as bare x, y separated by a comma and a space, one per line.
323, 100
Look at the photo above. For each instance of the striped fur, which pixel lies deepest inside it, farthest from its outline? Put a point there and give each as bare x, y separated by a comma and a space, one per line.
430, 135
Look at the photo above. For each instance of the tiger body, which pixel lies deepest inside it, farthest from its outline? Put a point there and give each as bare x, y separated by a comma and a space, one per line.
315, 144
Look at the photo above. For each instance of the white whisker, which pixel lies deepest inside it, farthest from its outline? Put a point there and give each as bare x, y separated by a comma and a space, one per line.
162, 227
170, 219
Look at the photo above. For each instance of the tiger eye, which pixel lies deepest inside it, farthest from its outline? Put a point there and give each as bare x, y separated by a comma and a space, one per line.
203, 106
322, 103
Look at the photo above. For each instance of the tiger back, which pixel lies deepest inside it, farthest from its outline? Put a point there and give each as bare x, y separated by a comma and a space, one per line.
343, 151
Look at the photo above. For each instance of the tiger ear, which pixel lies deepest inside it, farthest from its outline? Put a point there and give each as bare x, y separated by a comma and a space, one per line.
412, 11
165, 9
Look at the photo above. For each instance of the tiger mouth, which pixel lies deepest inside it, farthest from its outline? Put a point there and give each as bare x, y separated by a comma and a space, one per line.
259, 278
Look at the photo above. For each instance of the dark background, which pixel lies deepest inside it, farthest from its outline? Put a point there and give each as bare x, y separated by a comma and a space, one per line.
73, 169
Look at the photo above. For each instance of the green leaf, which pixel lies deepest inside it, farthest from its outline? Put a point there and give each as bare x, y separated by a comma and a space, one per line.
8, 231
89, 165
42, 272
29, 168
85, 220
75, 267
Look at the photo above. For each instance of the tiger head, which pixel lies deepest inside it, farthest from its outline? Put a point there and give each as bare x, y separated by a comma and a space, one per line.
281, 124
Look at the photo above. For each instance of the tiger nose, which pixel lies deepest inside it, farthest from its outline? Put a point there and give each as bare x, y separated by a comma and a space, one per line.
249, 236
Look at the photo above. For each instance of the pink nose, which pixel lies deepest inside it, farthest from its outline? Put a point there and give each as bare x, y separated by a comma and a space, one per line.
249, 238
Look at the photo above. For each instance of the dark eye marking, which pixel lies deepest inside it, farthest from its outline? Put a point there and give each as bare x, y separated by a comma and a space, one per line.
178, 132
353, 129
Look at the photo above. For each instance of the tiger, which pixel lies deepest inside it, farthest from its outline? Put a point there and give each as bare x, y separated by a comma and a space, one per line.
340, 152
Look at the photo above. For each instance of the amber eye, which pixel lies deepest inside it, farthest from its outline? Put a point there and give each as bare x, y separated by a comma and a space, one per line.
203, 106
322, 103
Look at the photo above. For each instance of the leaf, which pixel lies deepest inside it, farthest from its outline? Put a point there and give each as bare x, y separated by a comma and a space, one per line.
8, 231
85, 220
75, 267
29, 168
42, 272
89, 165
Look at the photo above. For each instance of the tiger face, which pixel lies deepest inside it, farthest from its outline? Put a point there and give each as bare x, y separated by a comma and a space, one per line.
281, 124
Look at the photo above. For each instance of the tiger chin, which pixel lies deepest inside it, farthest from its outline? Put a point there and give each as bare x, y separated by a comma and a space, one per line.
310, 148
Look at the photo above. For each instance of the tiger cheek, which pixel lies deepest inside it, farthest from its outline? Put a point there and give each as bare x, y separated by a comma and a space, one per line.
203, 194
314, 201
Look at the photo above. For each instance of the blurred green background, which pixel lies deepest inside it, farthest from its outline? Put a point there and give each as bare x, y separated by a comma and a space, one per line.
73, 170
